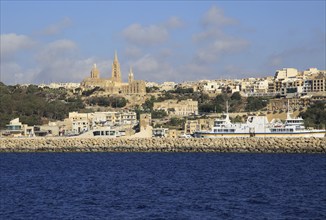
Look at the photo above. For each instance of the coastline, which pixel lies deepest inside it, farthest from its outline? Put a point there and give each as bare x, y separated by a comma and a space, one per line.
227, 145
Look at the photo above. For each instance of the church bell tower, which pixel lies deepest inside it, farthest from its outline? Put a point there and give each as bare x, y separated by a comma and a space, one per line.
130, 76
95, 73
116, 72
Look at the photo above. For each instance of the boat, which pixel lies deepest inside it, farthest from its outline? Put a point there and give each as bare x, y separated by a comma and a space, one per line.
104, 132
258, 126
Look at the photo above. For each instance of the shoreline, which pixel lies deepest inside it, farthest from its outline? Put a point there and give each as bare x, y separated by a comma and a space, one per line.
227, 145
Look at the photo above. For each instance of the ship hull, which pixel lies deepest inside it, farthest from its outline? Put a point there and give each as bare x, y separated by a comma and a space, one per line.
318, 134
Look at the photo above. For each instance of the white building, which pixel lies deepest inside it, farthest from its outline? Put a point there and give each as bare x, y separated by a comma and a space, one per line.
17, 129
211, 87
167, 86
81, 122
68, 85
286, 73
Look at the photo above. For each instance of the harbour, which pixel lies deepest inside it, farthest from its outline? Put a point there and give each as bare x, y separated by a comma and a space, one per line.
236, 145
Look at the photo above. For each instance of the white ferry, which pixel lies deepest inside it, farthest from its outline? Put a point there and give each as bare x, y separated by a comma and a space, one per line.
258, 126
105, 132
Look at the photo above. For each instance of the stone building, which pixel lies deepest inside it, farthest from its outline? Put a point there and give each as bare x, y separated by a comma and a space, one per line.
114, 84
191, 126
178, 108
80, 122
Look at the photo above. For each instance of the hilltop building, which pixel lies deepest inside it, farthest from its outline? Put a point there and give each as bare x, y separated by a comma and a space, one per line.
114, 84
178, 108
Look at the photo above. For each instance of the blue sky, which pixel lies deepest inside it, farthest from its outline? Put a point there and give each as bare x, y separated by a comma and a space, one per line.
58, 41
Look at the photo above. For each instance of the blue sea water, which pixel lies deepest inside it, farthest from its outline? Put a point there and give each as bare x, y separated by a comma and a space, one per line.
162, 186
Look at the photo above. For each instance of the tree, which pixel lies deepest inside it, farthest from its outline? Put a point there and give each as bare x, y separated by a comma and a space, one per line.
175, 122
159, 114
32, 104
152, 89
236, 96
315, 115
149, 104
255, 103
183, 90
221, 99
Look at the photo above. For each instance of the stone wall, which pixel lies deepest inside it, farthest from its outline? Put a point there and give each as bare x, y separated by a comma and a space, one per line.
247, 145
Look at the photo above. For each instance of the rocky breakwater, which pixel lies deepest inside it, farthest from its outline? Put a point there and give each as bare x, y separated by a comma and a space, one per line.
240, 145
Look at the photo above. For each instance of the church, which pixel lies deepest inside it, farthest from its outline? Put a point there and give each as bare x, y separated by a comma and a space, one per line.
114, 85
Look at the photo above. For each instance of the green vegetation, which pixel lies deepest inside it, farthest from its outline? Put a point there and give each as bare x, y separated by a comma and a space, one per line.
152, 89
180, 90
173, 123
148, 105
92, 91
218, 104
315, 115
208, 104
256, 103
159, 114
109, 101
35, 105
176, 122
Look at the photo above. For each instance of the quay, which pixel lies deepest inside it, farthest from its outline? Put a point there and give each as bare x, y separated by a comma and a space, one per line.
234, 145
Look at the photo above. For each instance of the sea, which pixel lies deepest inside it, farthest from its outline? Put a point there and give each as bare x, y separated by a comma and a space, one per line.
162, 186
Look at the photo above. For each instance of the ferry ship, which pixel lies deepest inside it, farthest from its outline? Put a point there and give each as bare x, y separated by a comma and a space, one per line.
258, 126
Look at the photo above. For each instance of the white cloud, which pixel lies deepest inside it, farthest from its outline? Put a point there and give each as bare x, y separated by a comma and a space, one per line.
60, 48
208, 34
215, 16
58, 27
13, 43
174, 22
219, 47
230, 44
60, 61
133, 52
213, 41
145, 35
194, 69
152, 68
57, 61
147, 64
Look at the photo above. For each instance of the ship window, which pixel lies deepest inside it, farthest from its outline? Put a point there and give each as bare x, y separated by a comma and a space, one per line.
111, 132
96, 133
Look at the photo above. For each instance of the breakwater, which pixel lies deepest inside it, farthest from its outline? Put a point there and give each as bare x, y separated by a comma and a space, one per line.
240, 145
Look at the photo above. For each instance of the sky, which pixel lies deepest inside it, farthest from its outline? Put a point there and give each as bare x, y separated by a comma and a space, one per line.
59, 41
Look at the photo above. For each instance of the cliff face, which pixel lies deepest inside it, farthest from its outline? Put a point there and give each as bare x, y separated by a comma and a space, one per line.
240, 145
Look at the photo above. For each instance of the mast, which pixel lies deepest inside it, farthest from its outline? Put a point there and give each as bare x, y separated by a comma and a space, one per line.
288, 116
227, 118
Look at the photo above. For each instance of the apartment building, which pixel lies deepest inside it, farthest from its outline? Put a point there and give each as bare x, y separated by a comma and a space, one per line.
81, 122
17, 129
